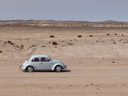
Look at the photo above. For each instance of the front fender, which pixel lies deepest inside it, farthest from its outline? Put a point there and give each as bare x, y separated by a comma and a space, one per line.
57, 64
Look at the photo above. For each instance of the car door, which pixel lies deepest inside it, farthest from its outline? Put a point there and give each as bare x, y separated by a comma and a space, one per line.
46, 63
36, 62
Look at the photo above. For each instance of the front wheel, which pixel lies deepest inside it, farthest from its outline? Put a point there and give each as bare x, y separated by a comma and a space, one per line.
58, 69
30, 69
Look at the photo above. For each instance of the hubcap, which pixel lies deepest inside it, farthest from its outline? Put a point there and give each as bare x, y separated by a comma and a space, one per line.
58, 69
30, 69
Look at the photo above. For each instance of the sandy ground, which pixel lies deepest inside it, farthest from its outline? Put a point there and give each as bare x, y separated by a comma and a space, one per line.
97, 62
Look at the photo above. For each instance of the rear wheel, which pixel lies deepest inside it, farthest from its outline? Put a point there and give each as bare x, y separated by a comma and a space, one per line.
58, 69
30, 69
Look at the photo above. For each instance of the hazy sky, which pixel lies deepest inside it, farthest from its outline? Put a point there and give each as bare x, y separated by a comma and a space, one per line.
79, 10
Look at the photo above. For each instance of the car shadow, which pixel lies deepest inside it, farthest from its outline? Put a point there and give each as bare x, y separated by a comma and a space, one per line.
53, 71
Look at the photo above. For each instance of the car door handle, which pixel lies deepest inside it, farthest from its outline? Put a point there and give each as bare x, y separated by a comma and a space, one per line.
40, 63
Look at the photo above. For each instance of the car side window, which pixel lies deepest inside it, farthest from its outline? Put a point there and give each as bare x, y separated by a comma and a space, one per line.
43, 59
35, 60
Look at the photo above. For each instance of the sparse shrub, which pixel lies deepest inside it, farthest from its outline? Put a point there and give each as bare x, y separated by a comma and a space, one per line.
79, 36
108, 34
5, 42
51, 36
43, 46
21, 46
91, 84
70, 43
17, 46
113, 61
115, 34
54, 43
125, 42
120, 40
10, 42
33, 46
114, 42
1, 51
90, 35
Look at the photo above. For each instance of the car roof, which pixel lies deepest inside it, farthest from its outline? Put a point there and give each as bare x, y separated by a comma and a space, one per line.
39, 56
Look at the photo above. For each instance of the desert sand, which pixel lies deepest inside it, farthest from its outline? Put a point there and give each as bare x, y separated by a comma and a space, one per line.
96, 55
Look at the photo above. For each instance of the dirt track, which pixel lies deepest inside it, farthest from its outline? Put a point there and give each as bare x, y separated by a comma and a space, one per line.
82, 79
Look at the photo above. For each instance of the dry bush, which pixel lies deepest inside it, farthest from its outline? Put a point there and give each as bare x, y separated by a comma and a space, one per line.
21, 46
114, 42
90, 35
69, 43
5, 42
113, 61
51, 36
32, 46
43, 46
79, 36
54, 43
10, 42
1, 51
122, 35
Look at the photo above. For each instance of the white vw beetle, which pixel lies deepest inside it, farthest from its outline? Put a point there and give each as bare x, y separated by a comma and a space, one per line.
42, 62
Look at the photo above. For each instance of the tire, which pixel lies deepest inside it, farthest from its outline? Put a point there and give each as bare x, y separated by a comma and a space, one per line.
58, 69
30, 69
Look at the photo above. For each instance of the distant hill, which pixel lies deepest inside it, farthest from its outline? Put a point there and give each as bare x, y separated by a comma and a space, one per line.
52, 23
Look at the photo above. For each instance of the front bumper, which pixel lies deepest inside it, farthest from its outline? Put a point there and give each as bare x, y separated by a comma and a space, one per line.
21, 68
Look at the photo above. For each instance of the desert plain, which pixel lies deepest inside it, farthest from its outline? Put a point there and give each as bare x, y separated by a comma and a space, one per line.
96, 55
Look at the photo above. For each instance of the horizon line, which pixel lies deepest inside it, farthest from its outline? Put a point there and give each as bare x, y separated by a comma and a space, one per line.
61, 20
